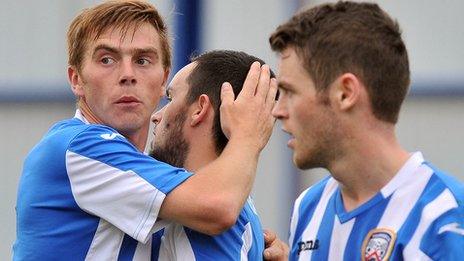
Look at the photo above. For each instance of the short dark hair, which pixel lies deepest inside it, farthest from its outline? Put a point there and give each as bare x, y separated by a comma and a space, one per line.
212, 69
360, 38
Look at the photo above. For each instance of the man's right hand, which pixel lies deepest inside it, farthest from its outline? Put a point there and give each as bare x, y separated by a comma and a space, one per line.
248, 117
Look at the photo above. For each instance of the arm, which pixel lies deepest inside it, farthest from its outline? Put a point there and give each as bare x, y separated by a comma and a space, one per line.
211, 200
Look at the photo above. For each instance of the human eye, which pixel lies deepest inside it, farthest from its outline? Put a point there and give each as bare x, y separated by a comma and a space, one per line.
143, 61
168, 96
107, 60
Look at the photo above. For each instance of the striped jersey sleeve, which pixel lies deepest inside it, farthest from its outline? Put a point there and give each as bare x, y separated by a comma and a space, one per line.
111, 179
87, 193
440, 231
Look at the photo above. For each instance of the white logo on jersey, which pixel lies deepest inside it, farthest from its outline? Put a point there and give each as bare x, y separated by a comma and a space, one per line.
111, 136
453, 227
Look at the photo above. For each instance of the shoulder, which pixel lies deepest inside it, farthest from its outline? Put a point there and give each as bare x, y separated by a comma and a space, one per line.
449, 183
73, 128
57, 138
442, 217
98, 138
442, 199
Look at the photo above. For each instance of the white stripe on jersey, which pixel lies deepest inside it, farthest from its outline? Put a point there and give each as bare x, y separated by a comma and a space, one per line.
103, 190
311, 230
294, 220
405, 197
403, 174
105, 243
247, 238
444, 202
175, 244
143, 251
338, 243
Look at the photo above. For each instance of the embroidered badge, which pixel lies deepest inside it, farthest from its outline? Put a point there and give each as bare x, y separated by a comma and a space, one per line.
378, 244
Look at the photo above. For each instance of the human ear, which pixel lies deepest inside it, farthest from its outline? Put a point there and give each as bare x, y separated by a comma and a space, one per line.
200, 112
346, 91
75, 81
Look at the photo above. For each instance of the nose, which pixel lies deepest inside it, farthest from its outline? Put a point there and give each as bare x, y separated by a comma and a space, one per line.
279, 111
157, 116
127, 73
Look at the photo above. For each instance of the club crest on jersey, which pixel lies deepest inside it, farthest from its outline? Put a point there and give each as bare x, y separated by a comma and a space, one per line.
378, 244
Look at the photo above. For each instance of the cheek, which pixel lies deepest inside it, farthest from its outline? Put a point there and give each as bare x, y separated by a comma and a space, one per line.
300, 110
154, 90
95, 86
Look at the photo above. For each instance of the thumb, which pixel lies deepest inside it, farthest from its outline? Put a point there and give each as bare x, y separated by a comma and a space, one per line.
227, 94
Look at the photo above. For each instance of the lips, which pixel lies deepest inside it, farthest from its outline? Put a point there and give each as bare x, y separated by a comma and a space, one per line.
291, 141
128, 100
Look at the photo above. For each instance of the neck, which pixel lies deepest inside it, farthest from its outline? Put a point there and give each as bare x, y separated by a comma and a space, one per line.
87, 112
137, 138
370, 160
202, 151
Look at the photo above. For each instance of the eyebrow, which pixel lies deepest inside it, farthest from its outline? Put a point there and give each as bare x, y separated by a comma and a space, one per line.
136, 51
104, 47
149, 51
283, 85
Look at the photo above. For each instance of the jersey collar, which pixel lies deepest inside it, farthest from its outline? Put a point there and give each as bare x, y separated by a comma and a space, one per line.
81, 117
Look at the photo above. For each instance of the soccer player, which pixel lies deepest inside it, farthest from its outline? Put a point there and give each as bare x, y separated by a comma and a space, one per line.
343, 75
87, 191
188, 134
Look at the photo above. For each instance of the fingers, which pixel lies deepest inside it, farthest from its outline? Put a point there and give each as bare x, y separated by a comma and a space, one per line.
251, 81
275, 248
263, 83
272, 254
277, 251
227, 94
271, 95
269, 237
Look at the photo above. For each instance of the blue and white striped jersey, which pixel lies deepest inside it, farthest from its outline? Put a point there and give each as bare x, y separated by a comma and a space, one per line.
87, 193
418, 215
243, 241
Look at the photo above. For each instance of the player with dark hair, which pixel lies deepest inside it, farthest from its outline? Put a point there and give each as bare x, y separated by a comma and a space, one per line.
343, 75
188, 134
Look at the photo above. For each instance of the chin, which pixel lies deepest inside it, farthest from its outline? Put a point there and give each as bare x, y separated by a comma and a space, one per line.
302, 163
297, 161
130, 123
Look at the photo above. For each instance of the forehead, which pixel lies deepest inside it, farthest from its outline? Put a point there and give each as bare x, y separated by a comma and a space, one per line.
138, 36
179, 81
291, 68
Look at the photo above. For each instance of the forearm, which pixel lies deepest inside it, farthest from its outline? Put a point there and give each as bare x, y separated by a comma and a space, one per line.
211, 200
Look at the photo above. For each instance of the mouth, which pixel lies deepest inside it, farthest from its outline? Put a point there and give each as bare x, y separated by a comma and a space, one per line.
291, 141
128, 101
